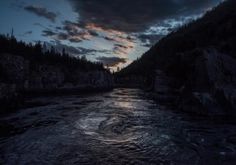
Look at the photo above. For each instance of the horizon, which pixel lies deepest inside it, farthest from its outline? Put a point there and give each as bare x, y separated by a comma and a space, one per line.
95, 30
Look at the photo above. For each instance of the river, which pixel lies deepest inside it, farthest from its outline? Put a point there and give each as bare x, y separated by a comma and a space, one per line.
124, 126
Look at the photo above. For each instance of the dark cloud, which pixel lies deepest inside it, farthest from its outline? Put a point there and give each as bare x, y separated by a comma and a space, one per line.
109, 38
111, 61
62, 36
70, 31
42, 12
26, 33
70, 27
149, 40
133, 16
76, 28
93, 33
85, 51
48, 33
40, 25
59, 28
75, 40
122, 46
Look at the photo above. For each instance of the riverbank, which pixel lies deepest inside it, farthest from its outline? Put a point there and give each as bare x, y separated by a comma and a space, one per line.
21, 77
20, 100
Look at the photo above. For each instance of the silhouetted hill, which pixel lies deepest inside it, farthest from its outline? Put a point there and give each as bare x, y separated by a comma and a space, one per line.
216, 29
193, 68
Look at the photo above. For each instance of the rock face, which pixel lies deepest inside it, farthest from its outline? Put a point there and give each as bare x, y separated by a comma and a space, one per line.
13, 73
18, 75
14, 69
165, 88
207, 84
7, 91
45, 77
98, 79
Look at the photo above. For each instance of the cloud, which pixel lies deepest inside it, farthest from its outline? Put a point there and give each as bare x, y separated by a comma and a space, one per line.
111, 61
123, 46
109, 38
93, 33
157, 31
122, 50
41, 12
62, 36
76, 33
75, 40
40, 25
150, 39
48, 33
70, 31
125, 22
85, 51
135, 16
26, 33
124, 25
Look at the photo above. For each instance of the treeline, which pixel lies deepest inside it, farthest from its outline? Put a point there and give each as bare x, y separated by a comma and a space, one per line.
37, 54
215, 29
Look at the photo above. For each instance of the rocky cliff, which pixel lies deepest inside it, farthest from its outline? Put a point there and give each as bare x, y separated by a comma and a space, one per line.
206, 85
19, 75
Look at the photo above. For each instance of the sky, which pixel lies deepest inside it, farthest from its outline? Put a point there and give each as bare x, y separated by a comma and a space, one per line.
114, 32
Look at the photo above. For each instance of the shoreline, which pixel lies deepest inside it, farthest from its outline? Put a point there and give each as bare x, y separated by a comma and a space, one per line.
18, 101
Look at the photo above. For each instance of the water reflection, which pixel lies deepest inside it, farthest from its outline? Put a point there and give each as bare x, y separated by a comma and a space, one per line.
118, 127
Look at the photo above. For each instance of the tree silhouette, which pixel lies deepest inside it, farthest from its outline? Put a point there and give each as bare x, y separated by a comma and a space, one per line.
38, 54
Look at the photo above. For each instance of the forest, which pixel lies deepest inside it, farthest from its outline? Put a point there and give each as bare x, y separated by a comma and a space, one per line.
38, 54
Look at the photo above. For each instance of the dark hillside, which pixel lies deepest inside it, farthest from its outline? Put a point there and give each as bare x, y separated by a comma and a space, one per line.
215, 29
194, 68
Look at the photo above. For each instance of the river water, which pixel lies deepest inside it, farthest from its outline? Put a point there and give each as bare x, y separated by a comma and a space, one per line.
123, 126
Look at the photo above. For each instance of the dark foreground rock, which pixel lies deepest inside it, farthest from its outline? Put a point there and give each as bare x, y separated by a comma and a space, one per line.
206, 85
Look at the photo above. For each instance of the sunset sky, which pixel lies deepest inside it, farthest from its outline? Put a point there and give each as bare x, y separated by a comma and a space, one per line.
114, 32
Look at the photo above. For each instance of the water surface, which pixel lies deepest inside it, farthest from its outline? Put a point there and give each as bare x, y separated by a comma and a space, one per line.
123, 126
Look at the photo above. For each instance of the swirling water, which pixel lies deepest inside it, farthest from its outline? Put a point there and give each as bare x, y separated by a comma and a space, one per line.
123, 126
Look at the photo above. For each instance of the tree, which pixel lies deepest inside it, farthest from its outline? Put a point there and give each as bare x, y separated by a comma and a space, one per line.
44, 47
83, 58
118, 69
38, 47
52, 50
12, 33
63, 52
